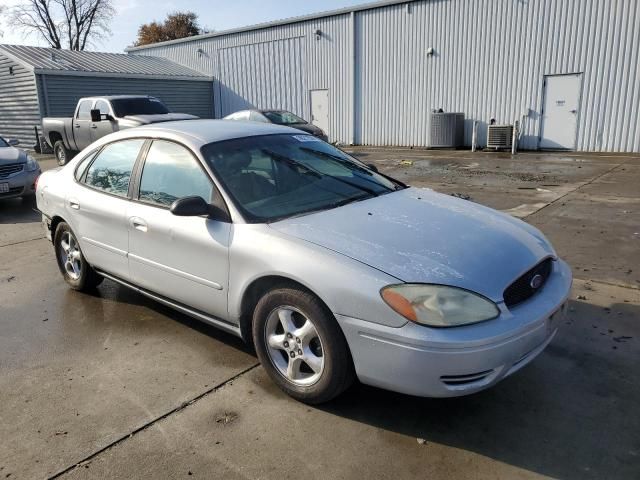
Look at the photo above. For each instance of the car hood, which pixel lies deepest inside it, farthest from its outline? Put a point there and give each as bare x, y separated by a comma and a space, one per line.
161, 117
418, 235
11, 155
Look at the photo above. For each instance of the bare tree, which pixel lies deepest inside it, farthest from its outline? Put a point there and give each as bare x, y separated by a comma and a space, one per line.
71, 24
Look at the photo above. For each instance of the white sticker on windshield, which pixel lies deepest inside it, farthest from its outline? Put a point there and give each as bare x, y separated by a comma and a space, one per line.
306, 138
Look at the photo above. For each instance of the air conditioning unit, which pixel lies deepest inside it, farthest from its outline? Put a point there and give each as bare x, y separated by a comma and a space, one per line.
447, 130
499, 136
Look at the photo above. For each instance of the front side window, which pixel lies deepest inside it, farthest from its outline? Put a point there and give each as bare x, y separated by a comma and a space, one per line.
271, 177
103, 106
84, 110
111, 170
171, 172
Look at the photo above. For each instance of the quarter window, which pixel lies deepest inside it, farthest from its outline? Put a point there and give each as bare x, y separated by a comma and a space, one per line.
171, 172
84, 110
112, 168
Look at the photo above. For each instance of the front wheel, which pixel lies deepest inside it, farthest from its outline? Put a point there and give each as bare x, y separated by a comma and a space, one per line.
62, 153
301, 346
72, 264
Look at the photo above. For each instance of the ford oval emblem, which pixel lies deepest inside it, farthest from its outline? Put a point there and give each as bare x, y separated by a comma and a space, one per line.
536, 281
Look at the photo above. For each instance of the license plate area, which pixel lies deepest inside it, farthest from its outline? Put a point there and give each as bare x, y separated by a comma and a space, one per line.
4, 187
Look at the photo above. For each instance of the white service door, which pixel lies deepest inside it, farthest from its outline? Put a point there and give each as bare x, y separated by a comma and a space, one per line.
320, 109
560, 111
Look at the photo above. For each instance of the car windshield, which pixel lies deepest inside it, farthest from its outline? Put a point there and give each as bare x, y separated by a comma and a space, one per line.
138, 106
271, 177
3, 143
282, 117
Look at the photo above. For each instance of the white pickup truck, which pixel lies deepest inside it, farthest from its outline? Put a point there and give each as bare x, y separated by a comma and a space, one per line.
96, 117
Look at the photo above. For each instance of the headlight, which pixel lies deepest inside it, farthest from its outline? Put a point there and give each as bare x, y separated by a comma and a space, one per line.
32, 165
438, 305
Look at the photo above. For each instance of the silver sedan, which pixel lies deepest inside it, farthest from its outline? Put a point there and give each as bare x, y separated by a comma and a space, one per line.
330, 269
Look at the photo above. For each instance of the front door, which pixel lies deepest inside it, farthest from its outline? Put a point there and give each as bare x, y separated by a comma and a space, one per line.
82, 124
104, 126
560, 111
320, 109
183, 258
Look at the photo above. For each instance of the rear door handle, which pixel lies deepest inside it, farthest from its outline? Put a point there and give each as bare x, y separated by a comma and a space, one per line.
77, 125
138, 223
73, 203
94, 126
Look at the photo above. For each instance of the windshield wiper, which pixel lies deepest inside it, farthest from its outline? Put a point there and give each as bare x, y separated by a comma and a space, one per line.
319, 174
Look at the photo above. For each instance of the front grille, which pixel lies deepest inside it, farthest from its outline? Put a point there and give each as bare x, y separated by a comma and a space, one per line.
521, 289
6, 170
12, 191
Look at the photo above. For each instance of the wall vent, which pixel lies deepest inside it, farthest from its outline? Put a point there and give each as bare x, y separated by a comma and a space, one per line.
499, 136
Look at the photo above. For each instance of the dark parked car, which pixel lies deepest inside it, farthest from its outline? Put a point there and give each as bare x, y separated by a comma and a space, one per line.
279, 117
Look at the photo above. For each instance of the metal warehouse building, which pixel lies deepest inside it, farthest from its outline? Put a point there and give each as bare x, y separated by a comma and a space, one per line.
43, 82
567, 69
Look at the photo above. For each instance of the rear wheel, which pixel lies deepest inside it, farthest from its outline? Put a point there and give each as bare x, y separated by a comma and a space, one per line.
301, 346
62, 153
72, 264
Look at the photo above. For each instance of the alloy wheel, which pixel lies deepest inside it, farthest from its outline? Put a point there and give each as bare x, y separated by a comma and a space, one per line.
294, 346
70, 255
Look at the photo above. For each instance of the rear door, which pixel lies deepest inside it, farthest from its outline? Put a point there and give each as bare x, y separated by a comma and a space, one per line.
82, 124
183, 258
98, 205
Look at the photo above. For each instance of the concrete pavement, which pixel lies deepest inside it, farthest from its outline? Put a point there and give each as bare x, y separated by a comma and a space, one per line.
113, 385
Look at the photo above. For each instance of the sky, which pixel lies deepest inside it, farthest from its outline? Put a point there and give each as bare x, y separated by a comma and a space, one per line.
213, 15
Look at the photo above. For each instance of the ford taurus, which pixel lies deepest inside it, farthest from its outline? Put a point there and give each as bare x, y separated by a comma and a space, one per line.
330, 269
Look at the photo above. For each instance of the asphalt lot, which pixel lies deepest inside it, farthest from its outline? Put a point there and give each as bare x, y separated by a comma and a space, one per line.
112, 385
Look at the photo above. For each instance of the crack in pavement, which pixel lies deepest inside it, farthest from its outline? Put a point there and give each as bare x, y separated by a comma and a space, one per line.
597, 177
22, 241
152, 422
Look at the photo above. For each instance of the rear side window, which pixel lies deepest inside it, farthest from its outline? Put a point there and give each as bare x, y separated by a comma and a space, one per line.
82, 166
111, 170
171, 172
84, 110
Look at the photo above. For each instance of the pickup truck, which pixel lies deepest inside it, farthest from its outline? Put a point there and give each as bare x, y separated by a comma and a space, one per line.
95, 117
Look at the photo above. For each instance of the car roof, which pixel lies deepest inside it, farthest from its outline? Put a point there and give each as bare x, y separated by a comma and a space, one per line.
116, 97
205, 131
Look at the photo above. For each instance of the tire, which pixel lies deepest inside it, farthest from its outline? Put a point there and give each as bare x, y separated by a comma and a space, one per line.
309, 359
62, 153
72, 264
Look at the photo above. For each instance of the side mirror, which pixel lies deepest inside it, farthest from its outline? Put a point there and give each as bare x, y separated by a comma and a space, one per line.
14, 142
197, 206
190, 207
95, 115
372, 167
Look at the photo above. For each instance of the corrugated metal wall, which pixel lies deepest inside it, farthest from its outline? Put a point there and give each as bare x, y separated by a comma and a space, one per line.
490, 60
322, 64
59, 94
252, 76
19, 110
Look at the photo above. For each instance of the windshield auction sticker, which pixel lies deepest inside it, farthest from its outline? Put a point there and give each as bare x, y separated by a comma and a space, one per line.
306, 138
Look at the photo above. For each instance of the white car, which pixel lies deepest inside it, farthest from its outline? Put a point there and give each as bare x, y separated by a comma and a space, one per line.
332, 270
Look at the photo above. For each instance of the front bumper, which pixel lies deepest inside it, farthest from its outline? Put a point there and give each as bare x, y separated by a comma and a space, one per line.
446, 362
20, 184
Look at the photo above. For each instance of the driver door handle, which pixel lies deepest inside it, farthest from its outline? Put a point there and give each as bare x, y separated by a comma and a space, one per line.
138, 223
73, 203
